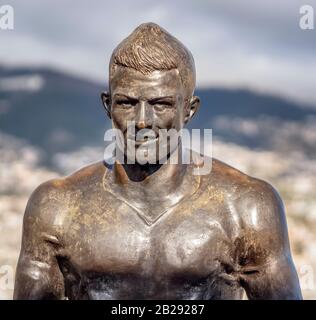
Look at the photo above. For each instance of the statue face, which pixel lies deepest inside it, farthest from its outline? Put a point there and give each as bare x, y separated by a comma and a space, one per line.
154, 101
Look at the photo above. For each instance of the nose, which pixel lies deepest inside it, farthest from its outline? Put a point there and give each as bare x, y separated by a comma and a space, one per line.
143, 117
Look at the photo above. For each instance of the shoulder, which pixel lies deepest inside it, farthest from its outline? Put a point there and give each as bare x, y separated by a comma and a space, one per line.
243, 187
87, 176
53, 197
265, 218
231, 182
47, 201
262, 207
256, 202
257, 211
227, 174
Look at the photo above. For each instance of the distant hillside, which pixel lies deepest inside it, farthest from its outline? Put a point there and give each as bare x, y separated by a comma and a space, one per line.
253, 119
60, 115
58, 112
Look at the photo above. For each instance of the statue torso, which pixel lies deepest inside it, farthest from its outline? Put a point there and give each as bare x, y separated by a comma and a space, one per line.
108, 251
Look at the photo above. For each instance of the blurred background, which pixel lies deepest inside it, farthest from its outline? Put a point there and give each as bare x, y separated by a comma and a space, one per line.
256, 76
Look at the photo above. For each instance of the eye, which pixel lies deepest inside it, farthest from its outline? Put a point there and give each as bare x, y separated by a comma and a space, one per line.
162, 105
126, 103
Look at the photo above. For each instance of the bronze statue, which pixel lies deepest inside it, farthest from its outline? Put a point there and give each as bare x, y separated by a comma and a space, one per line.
154, 231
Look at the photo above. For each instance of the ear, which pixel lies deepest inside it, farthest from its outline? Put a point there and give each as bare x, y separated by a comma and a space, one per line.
192, 108
106, 101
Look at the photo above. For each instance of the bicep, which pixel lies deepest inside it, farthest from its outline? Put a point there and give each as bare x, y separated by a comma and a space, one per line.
272, 273
277, 280
38, 275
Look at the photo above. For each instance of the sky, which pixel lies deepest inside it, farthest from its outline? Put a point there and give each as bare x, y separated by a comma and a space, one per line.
248, 44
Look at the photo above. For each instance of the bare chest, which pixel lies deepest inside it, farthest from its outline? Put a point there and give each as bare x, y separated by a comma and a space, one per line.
189, 237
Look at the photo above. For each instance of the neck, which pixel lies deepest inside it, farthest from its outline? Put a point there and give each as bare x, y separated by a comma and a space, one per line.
137, 172
168, 175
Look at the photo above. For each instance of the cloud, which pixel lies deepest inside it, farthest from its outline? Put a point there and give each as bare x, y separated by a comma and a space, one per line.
235, 43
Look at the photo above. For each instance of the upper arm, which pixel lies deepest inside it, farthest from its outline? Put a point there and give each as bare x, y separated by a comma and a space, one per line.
38, 275
267, 269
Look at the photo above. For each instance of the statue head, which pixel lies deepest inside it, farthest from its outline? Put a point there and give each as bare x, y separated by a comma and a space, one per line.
151, 83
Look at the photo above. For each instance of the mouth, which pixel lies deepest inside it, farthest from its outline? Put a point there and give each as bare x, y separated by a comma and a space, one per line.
144, 140
144, 136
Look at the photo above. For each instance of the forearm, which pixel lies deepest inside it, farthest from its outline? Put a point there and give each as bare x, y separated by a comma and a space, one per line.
37, 281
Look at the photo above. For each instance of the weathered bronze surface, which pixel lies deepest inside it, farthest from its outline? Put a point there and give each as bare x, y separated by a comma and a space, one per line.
154, 231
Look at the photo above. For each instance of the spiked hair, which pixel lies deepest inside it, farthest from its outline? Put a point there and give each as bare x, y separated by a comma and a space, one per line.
148, 48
